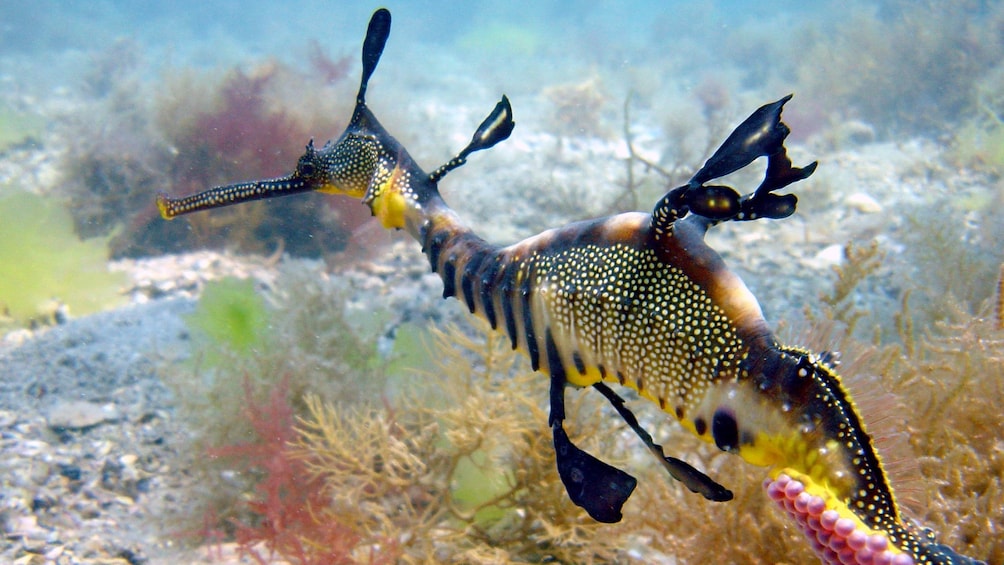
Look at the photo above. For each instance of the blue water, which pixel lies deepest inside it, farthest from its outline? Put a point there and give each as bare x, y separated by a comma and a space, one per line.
227, 33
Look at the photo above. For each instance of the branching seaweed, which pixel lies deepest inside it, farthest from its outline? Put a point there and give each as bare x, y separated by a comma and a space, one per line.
282, 505
463, 470
191, 131
890, 67
954, 384
838, 304
305, 338
578, 107
952, 255
465, 475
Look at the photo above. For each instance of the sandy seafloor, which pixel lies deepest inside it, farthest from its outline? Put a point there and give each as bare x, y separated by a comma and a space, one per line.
92, 457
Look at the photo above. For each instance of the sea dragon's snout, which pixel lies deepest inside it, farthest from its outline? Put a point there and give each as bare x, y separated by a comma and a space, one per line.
221, 196
345, 168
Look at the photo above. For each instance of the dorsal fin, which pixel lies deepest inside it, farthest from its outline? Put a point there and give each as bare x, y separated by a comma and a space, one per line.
376, 37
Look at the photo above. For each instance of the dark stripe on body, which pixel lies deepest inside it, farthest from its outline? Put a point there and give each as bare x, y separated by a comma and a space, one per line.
435, 247
490, 271
468, 278
510, 317
532, 348
449, 276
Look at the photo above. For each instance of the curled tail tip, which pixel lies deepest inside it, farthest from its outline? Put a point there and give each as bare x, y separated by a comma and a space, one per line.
835, 538
839, 537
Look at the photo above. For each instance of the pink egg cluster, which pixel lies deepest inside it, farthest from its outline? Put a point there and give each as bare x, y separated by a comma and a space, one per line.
835, 539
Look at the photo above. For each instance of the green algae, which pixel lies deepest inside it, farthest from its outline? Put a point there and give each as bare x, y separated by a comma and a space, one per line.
17, 128
44, 264
231, 314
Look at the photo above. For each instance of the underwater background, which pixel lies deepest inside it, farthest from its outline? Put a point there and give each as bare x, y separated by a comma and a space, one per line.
281, 382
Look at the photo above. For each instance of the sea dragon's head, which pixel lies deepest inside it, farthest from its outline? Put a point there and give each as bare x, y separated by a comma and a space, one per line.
365, 162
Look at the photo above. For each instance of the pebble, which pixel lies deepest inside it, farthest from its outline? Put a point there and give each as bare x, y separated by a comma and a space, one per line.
99, 486
828, 257
79, 414
863, 203
7, 418
186, 275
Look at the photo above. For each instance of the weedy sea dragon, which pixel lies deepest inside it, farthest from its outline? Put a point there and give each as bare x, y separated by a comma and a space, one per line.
638, 299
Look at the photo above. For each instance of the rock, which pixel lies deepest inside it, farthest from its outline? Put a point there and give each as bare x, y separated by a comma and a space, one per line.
79, 414
7, 418
830, 256
70, 471
54, 553
863, 203
32, 448
37, 472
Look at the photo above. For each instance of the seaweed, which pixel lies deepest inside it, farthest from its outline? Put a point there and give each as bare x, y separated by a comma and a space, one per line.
951, 377
330, 70
691, 132
45, 267
115, 155
951, 256
839, 304
301, 333
456, 465
459, 471
231, 315
945, 254
889, 68
245, 339
220, 135
577, 107
191, 130
978, 143
464, 474
283, 505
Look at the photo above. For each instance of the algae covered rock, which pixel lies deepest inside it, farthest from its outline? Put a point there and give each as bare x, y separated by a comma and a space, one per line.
44, 264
